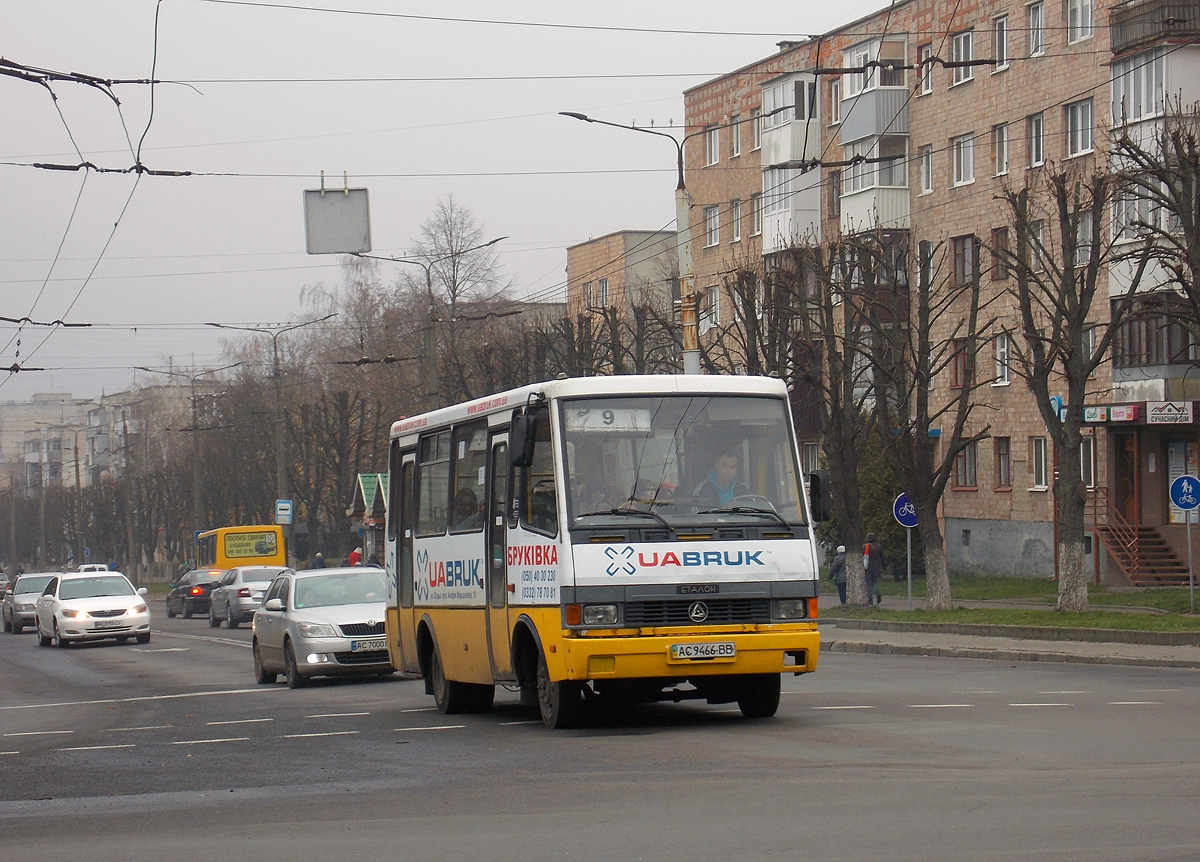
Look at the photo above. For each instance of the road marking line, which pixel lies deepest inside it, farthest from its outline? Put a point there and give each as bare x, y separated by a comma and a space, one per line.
515, 723
1133, 703
942, 705
96, 747
421, 709
1064, 692
239, 721
207, 639
209, 741
330, 733
163, 649
336, 714
862, 706
39, 732
143, 698
437, 727
1040, 704
147, 727
2, 753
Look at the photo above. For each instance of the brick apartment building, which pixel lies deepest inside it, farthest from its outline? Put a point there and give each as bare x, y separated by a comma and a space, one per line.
1035, 87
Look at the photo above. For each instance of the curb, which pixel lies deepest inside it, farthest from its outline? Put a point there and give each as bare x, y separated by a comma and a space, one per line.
843, 646
1039, 633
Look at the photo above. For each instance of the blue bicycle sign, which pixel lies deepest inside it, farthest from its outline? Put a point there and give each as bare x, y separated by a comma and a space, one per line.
904, 511
1185, 493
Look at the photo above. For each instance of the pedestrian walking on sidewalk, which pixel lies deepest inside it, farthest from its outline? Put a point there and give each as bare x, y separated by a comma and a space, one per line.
837, 572
873, 563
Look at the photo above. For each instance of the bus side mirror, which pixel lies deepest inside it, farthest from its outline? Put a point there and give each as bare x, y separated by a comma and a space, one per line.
522, 434
820, 499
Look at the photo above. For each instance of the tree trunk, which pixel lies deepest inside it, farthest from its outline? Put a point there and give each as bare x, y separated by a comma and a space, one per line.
937, 578
856, 579
1072, 580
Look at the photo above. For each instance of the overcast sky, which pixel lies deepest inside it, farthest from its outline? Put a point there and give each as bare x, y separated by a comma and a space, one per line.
414, 100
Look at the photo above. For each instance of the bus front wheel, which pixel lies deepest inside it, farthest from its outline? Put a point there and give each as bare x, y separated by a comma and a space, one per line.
759, 696
450, 697
560, 703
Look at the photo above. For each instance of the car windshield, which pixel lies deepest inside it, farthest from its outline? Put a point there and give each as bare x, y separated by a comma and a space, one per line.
90, 588
259, 574
323, 591
31, 584
679, 459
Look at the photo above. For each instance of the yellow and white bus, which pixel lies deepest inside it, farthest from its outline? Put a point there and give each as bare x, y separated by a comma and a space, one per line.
630, 537
227, 547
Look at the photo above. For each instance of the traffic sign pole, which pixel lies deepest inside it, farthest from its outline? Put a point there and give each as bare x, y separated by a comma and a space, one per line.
1185, 494
905, 514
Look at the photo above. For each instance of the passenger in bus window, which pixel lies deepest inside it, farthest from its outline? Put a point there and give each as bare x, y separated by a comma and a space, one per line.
722, 483
466, 514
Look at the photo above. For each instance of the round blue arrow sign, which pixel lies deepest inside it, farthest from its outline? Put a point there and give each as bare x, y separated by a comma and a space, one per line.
905, 512
1185, 492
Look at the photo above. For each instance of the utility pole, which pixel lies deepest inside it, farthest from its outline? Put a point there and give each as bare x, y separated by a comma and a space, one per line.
281, 476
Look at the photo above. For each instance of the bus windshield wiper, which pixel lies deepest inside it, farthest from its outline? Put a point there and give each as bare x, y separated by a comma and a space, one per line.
625, 510
747, 510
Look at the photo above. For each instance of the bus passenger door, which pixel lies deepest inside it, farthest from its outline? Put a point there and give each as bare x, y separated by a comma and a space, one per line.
405, 497
497, 551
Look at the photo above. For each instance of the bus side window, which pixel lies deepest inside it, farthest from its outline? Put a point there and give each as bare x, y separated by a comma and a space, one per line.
539, 496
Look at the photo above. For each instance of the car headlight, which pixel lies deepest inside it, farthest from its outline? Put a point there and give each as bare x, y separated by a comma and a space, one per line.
25, 607
791, 609
599, 615
138, 609
73, 614
316, 630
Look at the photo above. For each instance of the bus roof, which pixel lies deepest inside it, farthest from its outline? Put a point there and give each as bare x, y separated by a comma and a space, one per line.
624, 384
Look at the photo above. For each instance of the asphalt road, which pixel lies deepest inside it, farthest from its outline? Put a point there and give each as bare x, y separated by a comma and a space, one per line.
170, 751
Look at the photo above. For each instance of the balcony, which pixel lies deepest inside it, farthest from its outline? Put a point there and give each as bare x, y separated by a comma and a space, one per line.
797, 141
1137, 25
877, 207
882, 111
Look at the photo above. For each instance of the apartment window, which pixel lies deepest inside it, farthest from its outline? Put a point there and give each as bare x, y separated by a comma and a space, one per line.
835, 194
1036, 32
710, 309
1089, 346
961, 373
756, 213
964, 52
804, 99
1000, 149
712, 145
602, 292
925, 64
1000, 42
963, 249
755, 128
926, 169
856, 82
1039, 463
810, 457
777, 105
1079, 128
859, 175
1079, 20
1001, 378
587, 294
735, 217
962, 154
1137, 87
735, 136
1083, 238
891, 64
893, 165
1002, 450
1037, 244
1087, 462
835, 101
712, 226
1036, 125
1000, 252
777, 189
964, 467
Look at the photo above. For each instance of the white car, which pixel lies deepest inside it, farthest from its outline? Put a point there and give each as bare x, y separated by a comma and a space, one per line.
81, 606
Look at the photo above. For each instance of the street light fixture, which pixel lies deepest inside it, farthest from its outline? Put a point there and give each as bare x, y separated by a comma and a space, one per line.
431, 380
281, 489
197, 494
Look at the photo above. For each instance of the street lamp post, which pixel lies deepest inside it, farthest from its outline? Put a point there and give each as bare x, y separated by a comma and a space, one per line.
683, 227
431, 378
79, 543
281, 484
197, 485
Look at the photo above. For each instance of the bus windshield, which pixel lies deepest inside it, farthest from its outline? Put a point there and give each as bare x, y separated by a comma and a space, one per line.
680, 457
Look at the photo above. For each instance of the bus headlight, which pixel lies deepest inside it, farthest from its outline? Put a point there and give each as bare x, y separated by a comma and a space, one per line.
791, 609
599, 615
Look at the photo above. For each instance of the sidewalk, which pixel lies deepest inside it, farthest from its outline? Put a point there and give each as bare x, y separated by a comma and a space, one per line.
1008, 643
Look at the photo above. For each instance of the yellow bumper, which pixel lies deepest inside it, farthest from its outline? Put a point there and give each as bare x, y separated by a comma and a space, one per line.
774, 650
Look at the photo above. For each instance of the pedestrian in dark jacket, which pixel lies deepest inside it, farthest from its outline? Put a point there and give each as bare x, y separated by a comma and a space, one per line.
837, 572
873, 562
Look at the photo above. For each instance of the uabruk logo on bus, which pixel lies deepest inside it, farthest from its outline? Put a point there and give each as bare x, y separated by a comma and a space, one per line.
443, 578
627, 561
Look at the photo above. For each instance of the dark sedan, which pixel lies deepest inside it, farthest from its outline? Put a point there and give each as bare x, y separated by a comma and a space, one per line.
192, 593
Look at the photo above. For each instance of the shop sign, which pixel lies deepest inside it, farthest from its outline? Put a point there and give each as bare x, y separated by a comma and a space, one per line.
1123, 413
1169, 412
1095, 414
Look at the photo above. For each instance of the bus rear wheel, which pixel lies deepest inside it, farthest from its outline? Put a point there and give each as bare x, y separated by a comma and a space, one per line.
560, 703
759, 696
